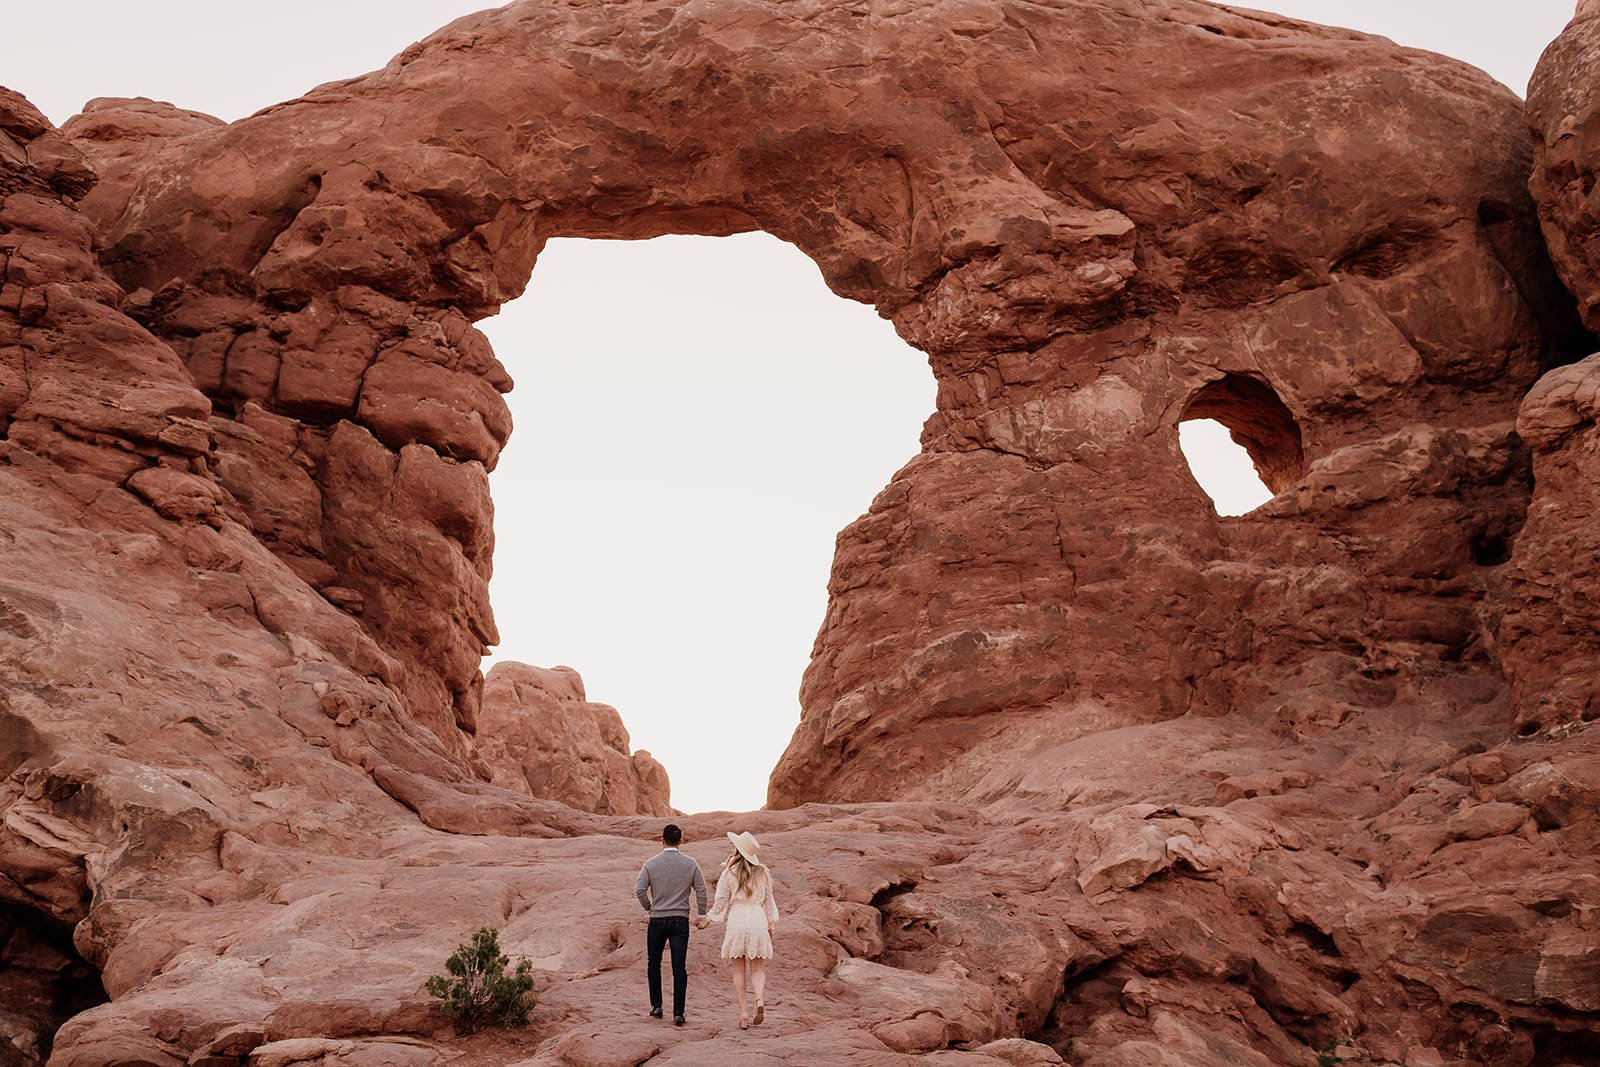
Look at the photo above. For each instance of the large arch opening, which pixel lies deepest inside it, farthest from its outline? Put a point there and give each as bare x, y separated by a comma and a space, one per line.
696, 420
1241, 442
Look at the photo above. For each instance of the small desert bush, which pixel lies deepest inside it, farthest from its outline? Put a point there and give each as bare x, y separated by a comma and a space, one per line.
478, 992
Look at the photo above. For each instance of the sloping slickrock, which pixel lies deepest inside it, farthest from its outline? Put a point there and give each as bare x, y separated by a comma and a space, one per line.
540, 736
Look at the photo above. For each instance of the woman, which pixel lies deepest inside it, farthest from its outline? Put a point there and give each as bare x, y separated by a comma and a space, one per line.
744, 900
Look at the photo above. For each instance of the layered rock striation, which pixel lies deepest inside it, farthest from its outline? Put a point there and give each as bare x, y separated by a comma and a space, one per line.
1084, 773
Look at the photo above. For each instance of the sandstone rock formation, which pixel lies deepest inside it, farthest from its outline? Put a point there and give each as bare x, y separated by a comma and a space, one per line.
1564, 110
540, 736
1084, 772
1550, 632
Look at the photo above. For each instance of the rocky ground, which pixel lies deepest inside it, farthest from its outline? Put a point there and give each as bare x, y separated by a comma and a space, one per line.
1085, 774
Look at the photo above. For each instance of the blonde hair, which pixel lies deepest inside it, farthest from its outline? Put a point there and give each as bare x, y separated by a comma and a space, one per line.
748, 879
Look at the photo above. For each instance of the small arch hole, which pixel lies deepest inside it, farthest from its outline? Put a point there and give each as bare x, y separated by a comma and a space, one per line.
1241, 442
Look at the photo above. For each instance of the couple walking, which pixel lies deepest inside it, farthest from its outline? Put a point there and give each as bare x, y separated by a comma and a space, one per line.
744, 900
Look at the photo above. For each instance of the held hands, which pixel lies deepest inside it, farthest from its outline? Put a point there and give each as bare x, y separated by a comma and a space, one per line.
702, 922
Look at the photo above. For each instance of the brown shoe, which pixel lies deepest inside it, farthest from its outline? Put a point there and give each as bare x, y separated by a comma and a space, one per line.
761, 1013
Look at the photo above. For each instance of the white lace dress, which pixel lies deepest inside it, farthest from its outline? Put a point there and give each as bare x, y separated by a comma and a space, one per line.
749, 917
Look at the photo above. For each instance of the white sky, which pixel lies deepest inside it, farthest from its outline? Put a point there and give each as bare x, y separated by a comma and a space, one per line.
696, 418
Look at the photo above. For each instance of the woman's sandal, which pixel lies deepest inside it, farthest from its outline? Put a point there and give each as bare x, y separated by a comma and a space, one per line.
761, 1013
744, 1024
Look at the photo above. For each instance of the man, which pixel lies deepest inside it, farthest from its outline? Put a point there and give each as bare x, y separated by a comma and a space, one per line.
663, 890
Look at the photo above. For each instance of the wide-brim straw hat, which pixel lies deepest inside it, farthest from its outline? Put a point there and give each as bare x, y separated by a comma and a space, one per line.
747, 846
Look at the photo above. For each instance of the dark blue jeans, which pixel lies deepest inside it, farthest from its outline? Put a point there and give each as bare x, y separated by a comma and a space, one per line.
665, 930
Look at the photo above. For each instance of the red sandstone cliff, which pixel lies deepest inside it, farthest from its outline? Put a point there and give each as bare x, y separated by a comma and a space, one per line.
1156, 787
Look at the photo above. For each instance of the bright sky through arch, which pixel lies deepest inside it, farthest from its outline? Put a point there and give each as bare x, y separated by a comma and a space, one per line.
1222, 468
696, 419
230, 60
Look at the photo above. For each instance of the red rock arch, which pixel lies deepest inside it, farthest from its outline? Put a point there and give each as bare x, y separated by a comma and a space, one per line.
1258, 421
1077, 215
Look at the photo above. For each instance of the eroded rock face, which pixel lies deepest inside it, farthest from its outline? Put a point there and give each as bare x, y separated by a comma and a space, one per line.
1548, 622
1163, 789
1564, 111
1081, 286
541, 736
1548, 619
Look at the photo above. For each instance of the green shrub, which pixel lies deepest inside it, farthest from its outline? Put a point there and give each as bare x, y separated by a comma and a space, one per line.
478, 991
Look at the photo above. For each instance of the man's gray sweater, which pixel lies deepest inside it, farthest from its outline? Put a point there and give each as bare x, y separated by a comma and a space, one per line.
664, 882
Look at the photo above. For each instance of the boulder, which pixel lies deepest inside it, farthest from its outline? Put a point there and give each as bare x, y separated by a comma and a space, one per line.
540, 736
